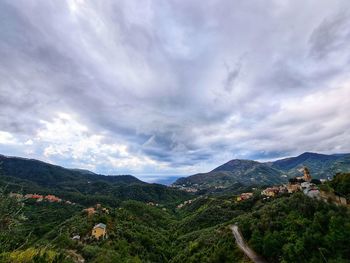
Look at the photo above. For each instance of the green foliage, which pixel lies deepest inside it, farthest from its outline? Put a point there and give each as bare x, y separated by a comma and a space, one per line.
286, 229
210, 211
298, 229
341, 184
33, 255
10, 221
208, 245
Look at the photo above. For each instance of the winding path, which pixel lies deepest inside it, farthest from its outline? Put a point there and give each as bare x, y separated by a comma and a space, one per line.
244, 247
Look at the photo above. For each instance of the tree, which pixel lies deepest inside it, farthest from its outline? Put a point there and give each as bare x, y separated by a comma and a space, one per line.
10, 218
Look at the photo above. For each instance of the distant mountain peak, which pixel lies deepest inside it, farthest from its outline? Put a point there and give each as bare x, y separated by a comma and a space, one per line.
249, 172
239, 161
236, 164
311, 154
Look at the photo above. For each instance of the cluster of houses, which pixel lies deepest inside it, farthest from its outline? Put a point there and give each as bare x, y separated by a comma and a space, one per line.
156, 205
185, 203
40, 198
189, 189
303, 183
268, 192
244, 196
273, 191
152, 204
95, 209
309, 187
281, 189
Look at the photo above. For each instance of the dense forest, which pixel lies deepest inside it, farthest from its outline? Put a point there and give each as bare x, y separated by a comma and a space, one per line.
80, 186
288, 228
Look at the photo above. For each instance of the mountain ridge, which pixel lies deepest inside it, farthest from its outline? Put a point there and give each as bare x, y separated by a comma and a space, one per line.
250, 172
236, 172
34, 176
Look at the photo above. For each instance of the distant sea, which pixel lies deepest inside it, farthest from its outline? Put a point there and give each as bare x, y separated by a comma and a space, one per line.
158, 179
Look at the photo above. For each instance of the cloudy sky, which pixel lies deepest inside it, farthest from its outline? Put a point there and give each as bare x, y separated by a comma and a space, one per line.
172, 87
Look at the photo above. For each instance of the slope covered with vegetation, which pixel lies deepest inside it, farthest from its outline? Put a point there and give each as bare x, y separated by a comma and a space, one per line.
245, 172
32, 176
289, 228
298, 229
340, 185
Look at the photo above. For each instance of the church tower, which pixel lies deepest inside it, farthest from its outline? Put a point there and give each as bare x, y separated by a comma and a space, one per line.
307, 176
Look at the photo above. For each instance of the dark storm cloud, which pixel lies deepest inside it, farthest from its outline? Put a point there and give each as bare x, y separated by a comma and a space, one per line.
175, 86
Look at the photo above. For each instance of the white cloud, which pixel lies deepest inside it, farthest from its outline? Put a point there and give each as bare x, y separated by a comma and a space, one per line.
7, 138
65, 138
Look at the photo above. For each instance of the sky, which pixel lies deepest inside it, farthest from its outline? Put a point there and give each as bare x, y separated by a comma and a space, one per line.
159, 88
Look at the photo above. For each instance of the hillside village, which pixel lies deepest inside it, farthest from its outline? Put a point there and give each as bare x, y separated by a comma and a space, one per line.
303, 183
40, 198
306, 184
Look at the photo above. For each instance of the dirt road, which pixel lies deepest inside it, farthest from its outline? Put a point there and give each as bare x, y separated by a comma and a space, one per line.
244, 247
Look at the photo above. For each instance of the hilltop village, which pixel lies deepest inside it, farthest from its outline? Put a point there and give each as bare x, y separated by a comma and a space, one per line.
303, 183
306, 184
311, 187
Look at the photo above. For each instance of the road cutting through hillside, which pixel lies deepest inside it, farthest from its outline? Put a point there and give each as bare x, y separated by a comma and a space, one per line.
250, 253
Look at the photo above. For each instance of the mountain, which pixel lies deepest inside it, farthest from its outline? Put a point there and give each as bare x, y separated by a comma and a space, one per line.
245, 172
33, 176
320, 165
248, 172
50, 175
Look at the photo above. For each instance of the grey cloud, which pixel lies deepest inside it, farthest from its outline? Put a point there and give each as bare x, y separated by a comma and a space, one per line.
331, 36
169, 79
232, 75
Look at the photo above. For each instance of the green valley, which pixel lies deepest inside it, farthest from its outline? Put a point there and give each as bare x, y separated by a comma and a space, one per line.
164, 224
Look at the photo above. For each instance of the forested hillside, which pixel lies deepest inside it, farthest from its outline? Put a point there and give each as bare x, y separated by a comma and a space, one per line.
289, 228
86, 188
